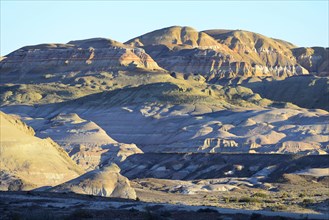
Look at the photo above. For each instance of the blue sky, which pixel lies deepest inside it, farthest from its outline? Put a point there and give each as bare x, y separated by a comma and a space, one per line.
304, 23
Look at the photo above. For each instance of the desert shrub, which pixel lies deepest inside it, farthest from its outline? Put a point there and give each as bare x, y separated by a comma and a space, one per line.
318, 194
230, 199
279, 207
308, 201
301, 195
249, 200
285, 195
261, 195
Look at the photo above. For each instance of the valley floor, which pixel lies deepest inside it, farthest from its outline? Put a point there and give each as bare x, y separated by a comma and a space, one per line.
286, 198
44, 205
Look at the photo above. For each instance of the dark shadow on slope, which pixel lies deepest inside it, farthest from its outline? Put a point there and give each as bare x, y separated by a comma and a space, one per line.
305, 91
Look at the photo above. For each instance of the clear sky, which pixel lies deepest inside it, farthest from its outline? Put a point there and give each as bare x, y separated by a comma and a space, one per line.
304, 23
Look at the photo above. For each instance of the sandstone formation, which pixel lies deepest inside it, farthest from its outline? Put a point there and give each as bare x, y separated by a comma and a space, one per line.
107, 182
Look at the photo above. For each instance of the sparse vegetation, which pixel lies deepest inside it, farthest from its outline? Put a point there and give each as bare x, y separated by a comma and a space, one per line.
249, 200
279, 207
308, 201
260, 195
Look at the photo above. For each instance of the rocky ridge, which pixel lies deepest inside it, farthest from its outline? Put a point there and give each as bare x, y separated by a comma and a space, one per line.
77, 56
214, 53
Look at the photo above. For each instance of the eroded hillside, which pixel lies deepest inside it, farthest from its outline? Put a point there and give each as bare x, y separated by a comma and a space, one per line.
213, 112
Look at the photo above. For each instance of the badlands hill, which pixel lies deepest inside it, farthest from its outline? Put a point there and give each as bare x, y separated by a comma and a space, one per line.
256, 49
84, 55
168, 93
224, 53
51, 73
105, 182
175, 36
86, 143
29, 162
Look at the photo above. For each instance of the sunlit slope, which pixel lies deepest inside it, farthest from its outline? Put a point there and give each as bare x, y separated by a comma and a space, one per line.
35, 162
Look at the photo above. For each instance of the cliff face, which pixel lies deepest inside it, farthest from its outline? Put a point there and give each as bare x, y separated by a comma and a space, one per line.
315, 59
256, 49
85, 55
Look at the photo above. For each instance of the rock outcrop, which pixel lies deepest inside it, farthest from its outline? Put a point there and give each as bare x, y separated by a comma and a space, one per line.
314, 59
107, 182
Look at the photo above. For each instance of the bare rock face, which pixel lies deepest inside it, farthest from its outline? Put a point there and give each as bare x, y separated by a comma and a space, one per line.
267, 56
90, 158
219, 54
255, 48
85, 55
315, 59
29, 162
107, 182
299, 147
